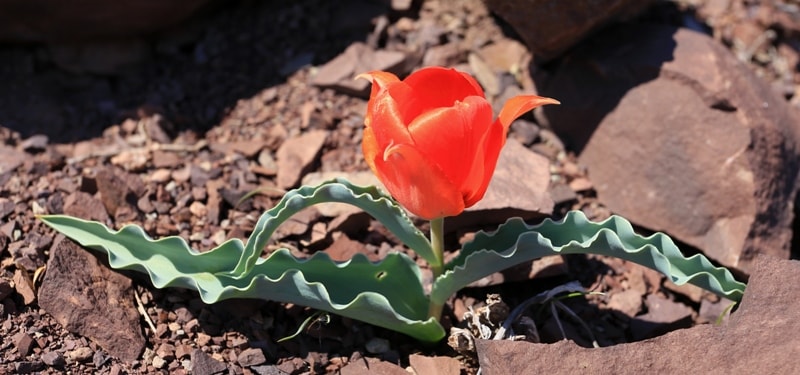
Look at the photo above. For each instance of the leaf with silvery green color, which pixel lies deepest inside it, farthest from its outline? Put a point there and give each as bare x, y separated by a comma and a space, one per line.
388, 293
515, 242
370, 199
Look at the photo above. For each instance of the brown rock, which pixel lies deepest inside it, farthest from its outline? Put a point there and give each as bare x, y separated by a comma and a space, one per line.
485, 75
24, 286
118, 189
688, 141
358, 58
24, 343
34, 143
10, 159
504, 55
761, 337
693, 292
343, 249
5, 288
134, 159
299, 224
629, 302
442, 55
662, 316
711, 312
202, 364
251, 357
368, 365
356, 178
248, 148
23, 21
296, 155
509, 195
350, 223
401, 5
183, 351
549, 27
165, 159
434, 365
90, 300
6, 207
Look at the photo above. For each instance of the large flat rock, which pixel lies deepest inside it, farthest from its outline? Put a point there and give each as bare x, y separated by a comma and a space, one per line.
518, 189
679, 136
762, 337
549, 27
89, 299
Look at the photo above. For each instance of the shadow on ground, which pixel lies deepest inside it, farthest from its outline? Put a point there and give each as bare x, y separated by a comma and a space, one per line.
191, 74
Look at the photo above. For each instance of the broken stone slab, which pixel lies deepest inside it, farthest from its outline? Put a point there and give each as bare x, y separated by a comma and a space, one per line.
629, 302
10, 159
119, 189
251, 357
203, 364
550, 27
24, 286
437, 365
518, 188
369, 365
340, 73
24, 343
85, 206
90, 300
343, 249
762, 336
248, 148
679, 136
296, 155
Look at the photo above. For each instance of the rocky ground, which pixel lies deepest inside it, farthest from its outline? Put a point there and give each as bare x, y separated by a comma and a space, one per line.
172, 130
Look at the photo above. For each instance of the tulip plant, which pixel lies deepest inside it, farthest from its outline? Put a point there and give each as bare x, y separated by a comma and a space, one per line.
432, 142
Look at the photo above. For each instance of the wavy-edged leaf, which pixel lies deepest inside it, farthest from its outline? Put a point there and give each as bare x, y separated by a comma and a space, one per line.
388, 293
370, 199
515, 242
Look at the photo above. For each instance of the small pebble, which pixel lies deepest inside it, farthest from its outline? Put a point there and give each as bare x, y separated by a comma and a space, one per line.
79, 355
53, 359
159, 362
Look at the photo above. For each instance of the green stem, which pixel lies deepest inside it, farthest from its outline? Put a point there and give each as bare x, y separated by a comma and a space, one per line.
437, 243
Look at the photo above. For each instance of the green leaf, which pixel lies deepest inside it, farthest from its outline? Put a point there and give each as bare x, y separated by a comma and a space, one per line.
388, 293
515, 242
370, 199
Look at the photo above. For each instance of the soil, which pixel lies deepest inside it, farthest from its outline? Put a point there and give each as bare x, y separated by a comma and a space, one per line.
194, 121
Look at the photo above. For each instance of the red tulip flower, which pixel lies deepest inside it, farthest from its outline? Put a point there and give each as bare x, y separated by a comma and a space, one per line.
431, 140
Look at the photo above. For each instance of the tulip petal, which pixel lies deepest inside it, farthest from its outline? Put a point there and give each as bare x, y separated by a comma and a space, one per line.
496, 139
518, 105
370, 148
380, 80
419, 185
475, 85
486, 154
435, 87
449, 137
386, 117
